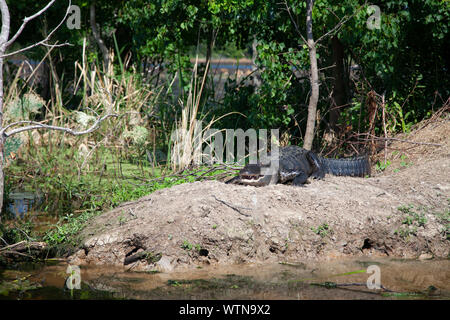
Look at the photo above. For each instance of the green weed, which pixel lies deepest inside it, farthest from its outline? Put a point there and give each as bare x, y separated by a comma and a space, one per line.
381, 166
412, 218
404, 162
187, 245
322, 230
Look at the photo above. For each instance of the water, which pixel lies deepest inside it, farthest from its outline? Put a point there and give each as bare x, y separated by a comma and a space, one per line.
22, 202
342, 279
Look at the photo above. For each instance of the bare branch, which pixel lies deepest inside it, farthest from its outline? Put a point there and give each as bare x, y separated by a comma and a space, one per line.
336, 28
42, 42
37, 125
294, 23
340, 24
35, 45
26, 20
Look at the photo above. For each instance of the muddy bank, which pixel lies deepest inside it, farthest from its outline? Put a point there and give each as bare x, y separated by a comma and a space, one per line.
400, 213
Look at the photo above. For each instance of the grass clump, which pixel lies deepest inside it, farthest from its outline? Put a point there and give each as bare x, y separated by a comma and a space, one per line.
323, 230
412, 220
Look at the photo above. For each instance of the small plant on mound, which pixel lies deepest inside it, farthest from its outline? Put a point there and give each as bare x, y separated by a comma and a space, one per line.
187, 245
412, 220
444, 219
322, 230
404, 163
381, 166
66, 231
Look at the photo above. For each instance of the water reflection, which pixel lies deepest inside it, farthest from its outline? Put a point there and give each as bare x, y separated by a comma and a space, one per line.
342, 279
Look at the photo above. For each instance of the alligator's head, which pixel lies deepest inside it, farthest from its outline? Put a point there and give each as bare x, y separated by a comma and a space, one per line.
254, 175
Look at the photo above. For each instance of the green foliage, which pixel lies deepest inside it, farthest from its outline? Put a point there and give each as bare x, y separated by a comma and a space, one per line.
16, 231
404, 161
24, 107
412, 220
322, 230
405, 58
444, 219
68, 228
412, 217
12, 144
187, 245
381, 166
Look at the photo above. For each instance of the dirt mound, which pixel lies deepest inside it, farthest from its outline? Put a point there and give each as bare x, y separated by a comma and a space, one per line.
402, 212
429, 141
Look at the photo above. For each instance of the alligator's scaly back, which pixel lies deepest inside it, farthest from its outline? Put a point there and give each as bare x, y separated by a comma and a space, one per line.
354, 167
297, 165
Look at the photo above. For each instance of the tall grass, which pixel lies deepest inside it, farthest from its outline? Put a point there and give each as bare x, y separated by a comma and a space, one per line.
71, 172
192, 131
183, 148
82, 173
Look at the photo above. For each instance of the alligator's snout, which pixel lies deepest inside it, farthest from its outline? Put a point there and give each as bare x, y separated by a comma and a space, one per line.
250, 176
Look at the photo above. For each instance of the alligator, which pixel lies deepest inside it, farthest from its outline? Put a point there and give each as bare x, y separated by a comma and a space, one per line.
297, 165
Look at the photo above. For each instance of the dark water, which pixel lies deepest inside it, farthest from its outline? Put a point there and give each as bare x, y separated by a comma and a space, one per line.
342, 279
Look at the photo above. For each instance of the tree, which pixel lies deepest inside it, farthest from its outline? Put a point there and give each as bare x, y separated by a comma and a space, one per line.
314, 78
97, 36
311, 44
11, 129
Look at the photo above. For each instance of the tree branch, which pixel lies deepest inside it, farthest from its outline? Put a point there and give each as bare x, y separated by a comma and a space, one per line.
42, 42
37, 125
295, 24
26, 20
340, 24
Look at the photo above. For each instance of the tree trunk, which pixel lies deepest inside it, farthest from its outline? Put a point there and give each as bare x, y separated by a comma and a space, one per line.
97, 36
256, 76
4, 36
339, 87
2, 177
211, 39
314, 79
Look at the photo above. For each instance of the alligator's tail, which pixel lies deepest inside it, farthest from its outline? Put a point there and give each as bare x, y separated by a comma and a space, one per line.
355, 167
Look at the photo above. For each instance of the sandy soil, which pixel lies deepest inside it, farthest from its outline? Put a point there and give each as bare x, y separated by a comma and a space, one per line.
219, 224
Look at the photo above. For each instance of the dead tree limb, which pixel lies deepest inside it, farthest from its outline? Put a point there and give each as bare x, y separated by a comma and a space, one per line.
42, 42
37, 125
24, 246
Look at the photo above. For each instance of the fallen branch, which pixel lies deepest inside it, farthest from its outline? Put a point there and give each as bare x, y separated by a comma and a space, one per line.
332, 285
233, 207
23, 246
229, 170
